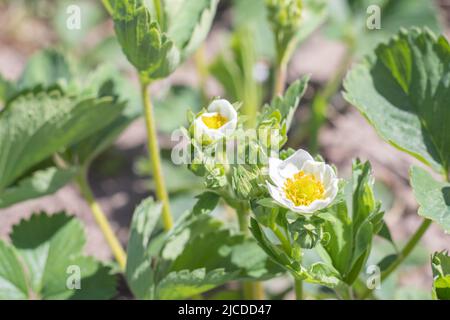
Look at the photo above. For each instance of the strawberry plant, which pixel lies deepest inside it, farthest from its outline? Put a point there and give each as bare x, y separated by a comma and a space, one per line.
232, 204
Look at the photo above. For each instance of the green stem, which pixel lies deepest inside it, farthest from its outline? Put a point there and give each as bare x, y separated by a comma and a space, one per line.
280, 79
155, 157
413, 241
160, 14
322, 99
298, 285
202, 72
101, 220
108, 7
252, 290
284, 241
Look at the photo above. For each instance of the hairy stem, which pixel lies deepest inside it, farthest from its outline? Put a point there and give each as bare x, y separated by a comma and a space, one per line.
155, 157
101, 220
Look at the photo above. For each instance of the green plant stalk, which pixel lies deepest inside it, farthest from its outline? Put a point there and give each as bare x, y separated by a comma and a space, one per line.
319, 107
108, 7
413, 241
155, 157
101, 220
252, 290
280, 79
160, 14
298, 285
202, 72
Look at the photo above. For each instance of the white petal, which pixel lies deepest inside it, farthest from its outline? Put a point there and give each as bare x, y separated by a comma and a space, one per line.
278, 195
274, 172
224, 108
295, 161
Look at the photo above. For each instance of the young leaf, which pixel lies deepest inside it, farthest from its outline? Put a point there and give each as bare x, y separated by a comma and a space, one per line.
50, 246
147, 48
432, 196
404, 91
440, 263
38, 184
287, 105
13, 283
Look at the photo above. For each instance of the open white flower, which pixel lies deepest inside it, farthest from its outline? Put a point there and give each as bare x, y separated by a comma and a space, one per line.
219, 121
302, 184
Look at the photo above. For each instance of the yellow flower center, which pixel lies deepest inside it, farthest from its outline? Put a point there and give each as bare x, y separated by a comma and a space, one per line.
214, 122
303, 188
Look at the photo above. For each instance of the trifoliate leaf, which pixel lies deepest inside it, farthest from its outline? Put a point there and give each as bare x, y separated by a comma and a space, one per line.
404, 91
433, 197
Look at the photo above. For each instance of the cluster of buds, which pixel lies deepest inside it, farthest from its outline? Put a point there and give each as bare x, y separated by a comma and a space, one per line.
285, 17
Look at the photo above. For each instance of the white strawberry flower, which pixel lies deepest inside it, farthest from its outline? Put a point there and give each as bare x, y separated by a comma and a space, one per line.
219, 121
302, 184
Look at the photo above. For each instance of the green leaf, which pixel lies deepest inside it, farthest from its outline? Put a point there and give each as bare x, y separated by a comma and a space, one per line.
13, 283
46, 68
38, 184
139, 271
188, 22
440, 263
199, 254
7, 90
287, 105
185, 283
349, 20
403, 92
36, 124
49, 246
433, 197
350, 236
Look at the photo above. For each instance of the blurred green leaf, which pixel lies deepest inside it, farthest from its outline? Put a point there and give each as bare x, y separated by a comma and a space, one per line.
348, 20
46, 68
48, 247
43, 122
90, 14
433, 197
403, 93
13, 282
440, 263
38, 184
171, 108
